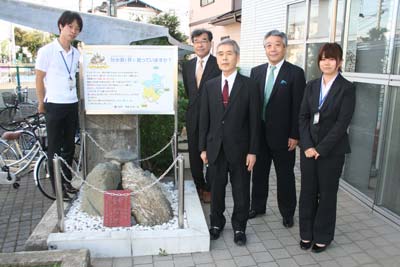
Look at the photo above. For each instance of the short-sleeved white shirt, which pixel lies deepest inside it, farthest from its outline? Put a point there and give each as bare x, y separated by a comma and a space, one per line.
56, 82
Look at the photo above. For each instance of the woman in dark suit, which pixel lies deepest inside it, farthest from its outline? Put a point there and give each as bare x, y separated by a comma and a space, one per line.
325, 114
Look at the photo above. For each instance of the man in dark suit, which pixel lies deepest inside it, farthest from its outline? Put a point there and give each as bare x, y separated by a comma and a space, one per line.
195, 73
281, 86
229, 139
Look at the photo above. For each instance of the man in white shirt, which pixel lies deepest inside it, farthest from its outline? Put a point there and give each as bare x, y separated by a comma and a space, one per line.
56, 67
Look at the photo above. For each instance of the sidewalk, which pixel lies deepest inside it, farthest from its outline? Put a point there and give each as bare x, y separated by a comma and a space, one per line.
361, 239
20, 211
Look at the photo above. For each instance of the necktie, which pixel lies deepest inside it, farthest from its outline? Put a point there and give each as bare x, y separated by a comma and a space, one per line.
268, 88
199, 72
225, 93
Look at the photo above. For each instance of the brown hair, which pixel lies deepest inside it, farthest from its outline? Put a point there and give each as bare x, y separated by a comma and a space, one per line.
331, 50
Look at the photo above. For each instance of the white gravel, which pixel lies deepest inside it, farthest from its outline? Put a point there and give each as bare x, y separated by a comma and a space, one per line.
79, 221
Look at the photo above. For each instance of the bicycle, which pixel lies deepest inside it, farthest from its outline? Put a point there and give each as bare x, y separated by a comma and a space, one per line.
11, 170
15, 111
14, 145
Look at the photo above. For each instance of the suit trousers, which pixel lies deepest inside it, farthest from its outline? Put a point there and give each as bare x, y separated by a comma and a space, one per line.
61, 124
318, 197
284, 161
196, 163
240, 181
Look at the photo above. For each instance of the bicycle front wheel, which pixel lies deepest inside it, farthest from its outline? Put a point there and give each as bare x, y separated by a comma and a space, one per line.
10, 118
42, 178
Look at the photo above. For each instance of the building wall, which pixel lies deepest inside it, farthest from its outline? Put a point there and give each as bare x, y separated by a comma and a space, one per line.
200, 17
371, 46
259, 17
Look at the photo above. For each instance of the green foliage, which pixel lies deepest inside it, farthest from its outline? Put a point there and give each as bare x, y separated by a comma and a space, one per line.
33, 40
156, 131
172, 23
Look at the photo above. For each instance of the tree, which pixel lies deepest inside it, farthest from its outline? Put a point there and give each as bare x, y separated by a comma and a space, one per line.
172, 23
33, 40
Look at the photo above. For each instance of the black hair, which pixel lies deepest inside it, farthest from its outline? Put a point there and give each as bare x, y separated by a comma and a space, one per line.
68, 17
199, 32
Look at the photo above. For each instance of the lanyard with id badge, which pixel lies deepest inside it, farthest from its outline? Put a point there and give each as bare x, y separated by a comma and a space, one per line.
320, 103
71, 82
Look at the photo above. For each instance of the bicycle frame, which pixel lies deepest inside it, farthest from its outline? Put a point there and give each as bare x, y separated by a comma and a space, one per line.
21, 165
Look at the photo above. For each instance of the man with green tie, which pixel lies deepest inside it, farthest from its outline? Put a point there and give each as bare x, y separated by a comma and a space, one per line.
281, 85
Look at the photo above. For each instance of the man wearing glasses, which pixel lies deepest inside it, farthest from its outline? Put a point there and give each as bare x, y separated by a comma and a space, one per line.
195, 73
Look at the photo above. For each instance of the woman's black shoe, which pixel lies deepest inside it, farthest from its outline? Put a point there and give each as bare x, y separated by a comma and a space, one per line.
318, 249
305, 245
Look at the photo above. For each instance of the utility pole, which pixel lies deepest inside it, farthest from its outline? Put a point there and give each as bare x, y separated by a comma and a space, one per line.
112, 11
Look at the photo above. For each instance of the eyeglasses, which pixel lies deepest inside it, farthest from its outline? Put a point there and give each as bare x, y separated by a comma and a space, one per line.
201, 42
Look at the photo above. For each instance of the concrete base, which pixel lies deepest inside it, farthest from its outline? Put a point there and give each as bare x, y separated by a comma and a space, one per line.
65, 258
194, 238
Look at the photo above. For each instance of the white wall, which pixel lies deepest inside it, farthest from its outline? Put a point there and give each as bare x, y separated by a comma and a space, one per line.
259, 17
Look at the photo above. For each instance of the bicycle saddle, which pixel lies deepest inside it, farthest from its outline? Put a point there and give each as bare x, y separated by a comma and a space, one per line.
11, 135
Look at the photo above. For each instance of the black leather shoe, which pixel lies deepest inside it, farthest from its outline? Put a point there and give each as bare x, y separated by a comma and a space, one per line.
305, 245
240, 238
288, 222
70, 189
215, 232
318, 249
253, 214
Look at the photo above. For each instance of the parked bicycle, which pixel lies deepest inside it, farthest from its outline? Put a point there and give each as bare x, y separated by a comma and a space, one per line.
15, 110
14, 165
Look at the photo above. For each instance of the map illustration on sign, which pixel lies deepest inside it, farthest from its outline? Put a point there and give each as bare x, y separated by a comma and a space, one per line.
154, 88
130, 79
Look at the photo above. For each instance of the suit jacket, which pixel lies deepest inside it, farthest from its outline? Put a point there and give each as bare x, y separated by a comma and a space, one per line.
329, 135
282, 110
189, 81
236, 128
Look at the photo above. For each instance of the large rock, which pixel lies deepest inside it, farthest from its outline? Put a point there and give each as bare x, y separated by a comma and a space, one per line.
105, 176
149, 207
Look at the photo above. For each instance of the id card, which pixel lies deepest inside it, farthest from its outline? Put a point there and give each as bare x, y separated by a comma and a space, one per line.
316, 118
71, 84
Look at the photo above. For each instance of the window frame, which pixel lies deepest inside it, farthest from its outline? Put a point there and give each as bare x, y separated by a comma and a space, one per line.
206, 2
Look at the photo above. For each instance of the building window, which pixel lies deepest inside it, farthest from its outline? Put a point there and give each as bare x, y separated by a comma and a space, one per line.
304, 46
206, 2
296, 21
368, 39
396, 65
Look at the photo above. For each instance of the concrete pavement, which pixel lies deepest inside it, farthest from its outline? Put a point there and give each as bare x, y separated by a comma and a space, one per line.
362, 237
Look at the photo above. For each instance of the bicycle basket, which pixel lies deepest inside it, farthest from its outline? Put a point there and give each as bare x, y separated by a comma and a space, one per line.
9, 99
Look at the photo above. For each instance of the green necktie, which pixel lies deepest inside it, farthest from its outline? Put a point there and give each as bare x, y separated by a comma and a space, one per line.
268, 88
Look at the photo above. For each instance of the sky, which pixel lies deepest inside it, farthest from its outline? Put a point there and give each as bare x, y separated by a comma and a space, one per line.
181, 8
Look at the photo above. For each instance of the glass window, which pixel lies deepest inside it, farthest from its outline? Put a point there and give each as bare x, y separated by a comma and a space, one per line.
391, 182
368, 41
361, 168
319, 24
206, 2
296, 21
396, 66
320, 19
312, 70
295, 54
